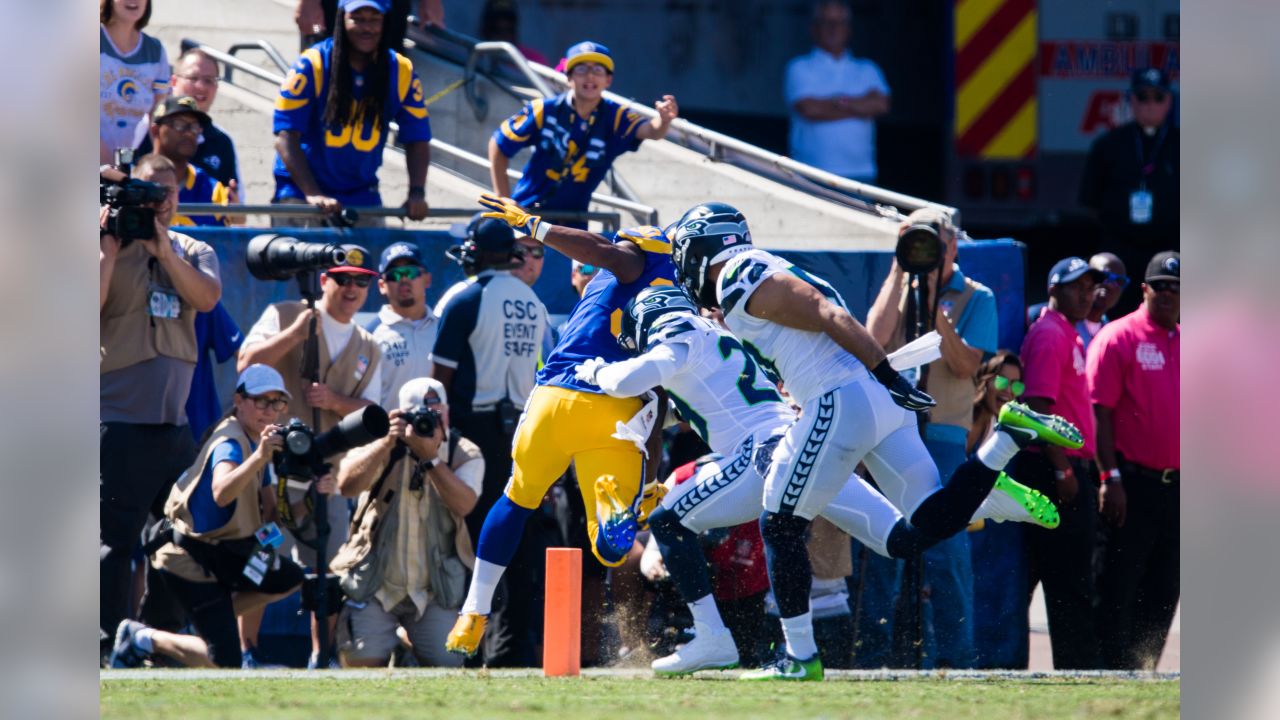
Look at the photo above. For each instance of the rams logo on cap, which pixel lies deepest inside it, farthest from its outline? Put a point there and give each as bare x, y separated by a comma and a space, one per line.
355, 257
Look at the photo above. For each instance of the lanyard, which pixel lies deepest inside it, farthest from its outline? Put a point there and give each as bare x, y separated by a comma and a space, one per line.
1150, 167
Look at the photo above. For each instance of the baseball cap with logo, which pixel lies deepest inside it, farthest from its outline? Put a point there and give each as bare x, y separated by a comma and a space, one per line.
588, 51
399, 251
356, 257
415, 392
1072, 269
258, 379
181, 105
1165, 266
1149, 78
350, 6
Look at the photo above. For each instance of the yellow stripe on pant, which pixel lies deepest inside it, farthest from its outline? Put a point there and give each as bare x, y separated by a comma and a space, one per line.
562, 426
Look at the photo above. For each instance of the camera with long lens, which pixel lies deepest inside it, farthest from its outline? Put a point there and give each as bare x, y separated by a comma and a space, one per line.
919, 249
280, 257
422, 419
305, 451
129, 216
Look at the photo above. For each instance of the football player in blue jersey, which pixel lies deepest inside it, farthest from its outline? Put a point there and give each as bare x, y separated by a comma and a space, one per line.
333, 113
566, 419
575, 136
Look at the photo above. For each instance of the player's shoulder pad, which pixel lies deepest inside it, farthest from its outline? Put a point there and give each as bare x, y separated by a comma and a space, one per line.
649, 238
743, 273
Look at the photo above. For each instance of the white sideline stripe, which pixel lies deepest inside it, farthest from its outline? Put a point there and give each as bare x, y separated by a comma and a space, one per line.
641, 673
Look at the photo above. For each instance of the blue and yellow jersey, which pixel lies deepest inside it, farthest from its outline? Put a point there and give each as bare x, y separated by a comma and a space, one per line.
571, 154
345, 160
594, 323
200, 187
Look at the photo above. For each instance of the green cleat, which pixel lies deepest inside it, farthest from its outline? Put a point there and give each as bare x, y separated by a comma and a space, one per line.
788, 668
1027, 426
1011, 500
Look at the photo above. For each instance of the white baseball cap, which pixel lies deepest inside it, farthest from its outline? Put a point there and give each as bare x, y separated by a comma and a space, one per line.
258, 379
413, 392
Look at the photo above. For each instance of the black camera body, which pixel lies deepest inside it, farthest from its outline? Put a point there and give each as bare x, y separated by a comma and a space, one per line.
919, 250
305, 451
280, 257
423, 420
129, 217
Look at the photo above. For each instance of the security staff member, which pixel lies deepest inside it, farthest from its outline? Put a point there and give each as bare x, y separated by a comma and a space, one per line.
406, 326
486, 356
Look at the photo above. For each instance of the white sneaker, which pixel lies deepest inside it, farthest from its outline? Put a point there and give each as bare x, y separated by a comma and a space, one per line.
1011, 500
708, 650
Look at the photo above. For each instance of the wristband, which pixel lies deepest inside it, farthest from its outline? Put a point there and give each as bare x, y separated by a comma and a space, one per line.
540, 230
1064, 474
1110, 476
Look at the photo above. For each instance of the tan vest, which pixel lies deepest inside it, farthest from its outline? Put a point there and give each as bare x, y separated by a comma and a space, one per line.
128, 334
445, 533
245, 518
953, 393
348, 374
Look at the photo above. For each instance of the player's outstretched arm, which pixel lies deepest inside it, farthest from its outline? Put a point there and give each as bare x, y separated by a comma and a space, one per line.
632, 377
623, 259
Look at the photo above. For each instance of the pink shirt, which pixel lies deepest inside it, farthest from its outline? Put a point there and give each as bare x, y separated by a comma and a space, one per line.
1134, 370
1054, 368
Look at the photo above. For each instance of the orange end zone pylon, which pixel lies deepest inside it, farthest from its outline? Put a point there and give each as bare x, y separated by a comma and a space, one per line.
562, 629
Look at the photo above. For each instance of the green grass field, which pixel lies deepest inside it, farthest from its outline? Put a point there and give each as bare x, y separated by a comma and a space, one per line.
479, 696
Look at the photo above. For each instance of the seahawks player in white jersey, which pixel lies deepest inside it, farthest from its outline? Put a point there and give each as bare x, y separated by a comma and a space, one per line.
718, 388
799, 326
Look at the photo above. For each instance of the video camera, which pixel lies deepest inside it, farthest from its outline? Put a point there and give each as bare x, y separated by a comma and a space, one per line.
919, 249
280, 257
129, 217
423, 420
305, 452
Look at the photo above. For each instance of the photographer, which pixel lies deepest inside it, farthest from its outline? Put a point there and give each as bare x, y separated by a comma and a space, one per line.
151, 289
407, 559
218, 564
966, 320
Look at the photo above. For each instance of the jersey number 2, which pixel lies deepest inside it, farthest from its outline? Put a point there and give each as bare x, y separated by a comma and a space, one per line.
747, 379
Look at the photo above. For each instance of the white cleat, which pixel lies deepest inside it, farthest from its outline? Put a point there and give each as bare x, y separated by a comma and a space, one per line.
709, 650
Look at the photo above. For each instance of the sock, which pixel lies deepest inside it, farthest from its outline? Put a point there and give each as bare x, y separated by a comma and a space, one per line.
905, 540
682, 554
998, 450
787, 559
142, 639
798, 631
501, 532
706, 614
484, 583
947, 511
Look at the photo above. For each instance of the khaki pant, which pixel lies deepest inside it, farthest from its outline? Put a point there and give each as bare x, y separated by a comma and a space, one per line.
372, 632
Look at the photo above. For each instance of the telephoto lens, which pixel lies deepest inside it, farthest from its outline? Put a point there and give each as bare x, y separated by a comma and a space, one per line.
919, 249
280, 257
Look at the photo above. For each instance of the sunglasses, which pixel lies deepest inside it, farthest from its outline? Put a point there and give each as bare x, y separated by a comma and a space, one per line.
403, 273
1114, 279
1002, 383
587, 269
1160, 286
533, 251
344, 279
262, 403
1150, 97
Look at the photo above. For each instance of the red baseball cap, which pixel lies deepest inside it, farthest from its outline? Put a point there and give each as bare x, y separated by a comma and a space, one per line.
356, 257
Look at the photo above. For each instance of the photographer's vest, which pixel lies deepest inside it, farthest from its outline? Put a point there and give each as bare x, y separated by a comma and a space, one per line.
408, 540
348, 374
246, 516
954, 394
128, 331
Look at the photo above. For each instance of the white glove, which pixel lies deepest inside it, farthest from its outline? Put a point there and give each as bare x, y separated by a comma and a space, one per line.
586, 372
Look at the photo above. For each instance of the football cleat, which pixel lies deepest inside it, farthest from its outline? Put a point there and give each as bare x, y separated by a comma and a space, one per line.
1027, 426
708, 650
618, 525
126, 654
788, 668
1011, 500
464, 638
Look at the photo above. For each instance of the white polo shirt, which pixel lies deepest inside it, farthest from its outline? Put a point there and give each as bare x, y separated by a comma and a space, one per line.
844, 147
406, 350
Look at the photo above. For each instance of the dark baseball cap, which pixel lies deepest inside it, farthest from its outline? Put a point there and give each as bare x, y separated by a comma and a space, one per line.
356, 256
181, 105
1164, 266
491, 235
399, 251
1149, 78
1072, 269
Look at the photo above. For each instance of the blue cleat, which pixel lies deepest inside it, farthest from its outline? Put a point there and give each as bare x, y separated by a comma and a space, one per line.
618, 525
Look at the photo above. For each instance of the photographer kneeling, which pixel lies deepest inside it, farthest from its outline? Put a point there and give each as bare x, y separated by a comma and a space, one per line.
221, 561
407, 558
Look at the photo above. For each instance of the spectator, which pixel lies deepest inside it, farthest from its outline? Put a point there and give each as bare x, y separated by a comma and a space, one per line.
575, 137
196, 75
350, 372
406, 327
998, 549
531, 269
834, 99
133, 73
150, 291
216, 510
1130, 179
333, 113
966, 320
1115, 280
175, 130
500, 22
1134, 371
414, 492
1053, 357
315, 19
580, 274
486, 355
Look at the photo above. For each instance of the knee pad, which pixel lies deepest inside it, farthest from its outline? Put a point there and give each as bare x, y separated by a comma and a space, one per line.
777, 527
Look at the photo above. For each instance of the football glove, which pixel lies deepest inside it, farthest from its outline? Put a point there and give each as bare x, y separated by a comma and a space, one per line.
904, 394
506, 210
586, 371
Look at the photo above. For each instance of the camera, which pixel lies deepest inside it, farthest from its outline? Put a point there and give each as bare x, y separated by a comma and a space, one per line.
280, 257
422, 419
305, 451
129, 218
919, 249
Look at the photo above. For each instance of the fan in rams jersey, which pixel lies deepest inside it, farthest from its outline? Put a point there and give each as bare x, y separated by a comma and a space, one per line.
720, 390
855, 408
568, 420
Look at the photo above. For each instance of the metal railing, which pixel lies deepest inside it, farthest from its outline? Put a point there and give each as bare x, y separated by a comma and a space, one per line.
610, 220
